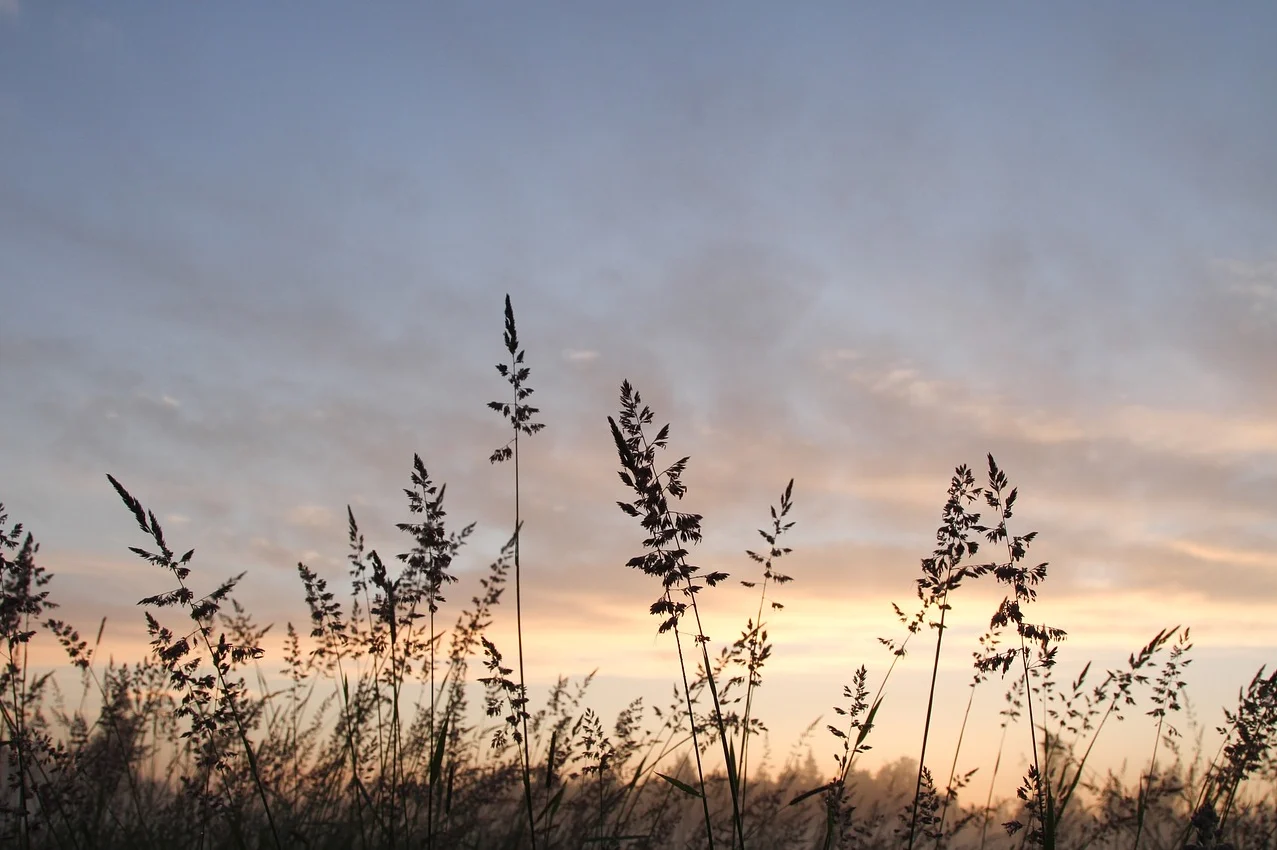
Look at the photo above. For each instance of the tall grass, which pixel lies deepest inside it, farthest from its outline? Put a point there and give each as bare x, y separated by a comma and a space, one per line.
520, 416
753, 641
368, 733
942, 574
669, 533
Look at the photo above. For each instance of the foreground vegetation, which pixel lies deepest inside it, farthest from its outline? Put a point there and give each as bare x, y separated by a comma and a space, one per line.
376, 739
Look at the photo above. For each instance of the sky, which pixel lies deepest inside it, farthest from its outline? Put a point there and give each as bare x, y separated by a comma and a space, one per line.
253, 258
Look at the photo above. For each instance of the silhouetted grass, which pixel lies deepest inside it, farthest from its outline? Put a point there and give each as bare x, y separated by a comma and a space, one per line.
369, 737
519, 415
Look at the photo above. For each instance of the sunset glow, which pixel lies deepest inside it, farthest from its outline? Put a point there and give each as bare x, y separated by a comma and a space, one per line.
254, 257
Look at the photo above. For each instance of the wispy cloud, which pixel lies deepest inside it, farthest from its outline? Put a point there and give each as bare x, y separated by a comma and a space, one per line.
311, 516
1254, 283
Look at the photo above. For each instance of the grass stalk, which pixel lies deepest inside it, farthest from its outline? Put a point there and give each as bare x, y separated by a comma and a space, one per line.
953, 767
942, 574
520, 416
200, 613
1009, 714
755, 638
670, 532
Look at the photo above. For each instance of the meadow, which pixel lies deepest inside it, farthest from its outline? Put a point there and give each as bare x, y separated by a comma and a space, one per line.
402, 724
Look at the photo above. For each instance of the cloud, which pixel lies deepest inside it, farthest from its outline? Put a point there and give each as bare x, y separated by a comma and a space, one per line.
311, 516
1172, 430
10, 8
1225, 332
1240, 557
1255, 284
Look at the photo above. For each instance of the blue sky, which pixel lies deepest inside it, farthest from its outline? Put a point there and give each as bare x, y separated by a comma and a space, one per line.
254, 257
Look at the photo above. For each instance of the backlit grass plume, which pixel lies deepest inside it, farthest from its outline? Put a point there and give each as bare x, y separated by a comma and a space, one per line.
670, 533
520, 417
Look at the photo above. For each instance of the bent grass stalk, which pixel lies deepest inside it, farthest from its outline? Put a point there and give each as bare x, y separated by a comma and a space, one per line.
670, 532
223, 657
1251, 734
